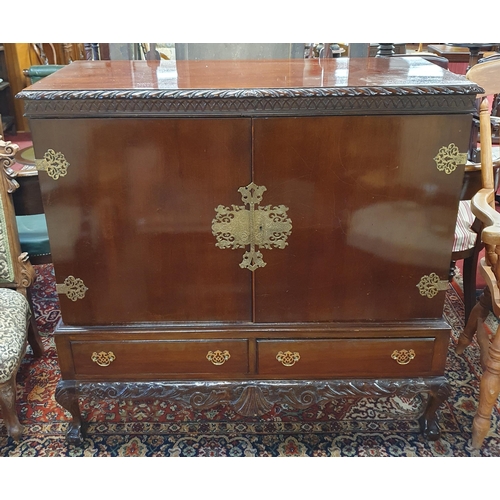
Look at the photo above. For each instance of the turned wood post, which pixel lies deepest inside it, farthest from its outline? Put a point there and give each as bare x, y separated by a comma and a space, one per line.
385, 50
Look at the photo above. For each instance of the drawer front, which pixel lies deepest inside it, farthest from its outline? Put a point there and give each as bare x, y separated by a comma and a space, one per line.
142, 358
346, 358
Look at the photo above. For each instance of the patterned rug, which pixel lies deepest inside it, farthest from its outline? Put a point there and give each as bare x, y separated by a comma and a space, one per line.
385, 427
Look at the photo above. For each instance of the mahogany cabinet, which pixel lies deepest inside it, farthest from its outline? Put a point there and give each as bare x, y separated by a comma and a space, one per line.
249, 231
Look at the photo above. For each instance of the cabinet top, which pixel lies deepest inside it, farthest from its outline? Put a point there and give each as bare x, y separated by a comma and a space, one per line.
325, 86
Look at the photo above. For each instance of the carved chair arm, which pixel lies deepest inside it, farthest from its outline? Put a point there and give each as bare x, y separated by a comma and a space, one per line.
483, 210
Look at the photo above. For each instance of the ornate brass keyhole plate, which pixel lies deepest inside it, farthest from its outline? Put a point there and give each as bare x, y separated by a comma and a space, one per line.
264, 227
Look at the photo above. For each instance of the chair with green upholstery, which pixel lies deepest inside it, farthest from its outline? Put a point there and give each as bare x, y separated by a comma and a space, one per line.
17, 321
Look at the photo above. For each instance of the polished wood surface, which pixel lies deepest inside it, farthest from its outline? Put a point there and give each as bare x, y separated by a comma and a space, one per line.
146, 191
333, 358
340, 72
341, 177
177, 359
346, 147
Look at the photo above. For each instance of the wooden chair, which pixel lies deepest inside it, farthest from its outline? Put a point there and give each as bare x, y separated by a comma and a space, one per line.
483, 206
17, 321
467, 244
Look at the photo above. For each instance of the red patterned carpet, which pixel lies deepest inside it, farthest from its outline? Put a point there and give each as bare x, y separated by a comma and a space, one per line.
364, 428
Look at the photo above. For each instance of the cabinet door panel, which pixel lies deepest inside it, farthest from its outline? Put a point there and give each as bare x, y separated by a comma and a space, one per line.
132, 218
371, 215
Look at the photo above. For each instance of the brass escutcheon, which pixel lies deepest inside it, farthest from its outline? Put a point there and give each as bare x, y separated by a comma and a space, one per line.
103, 358
258, 227
55, 164
218, 357
287, 358
403, 357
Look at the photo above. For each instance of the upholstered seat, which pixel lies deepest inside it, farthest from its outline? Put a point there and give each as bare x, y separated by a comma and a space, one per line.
17, 324
14, 314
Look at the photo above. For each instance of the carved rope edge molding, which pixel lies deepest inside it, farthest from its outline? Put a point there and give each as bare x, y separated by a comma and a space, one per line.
471, 89
351, 100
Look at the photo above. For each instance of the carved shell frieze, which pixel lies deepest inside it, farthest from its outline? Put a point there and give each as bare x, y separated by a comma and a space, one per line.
252, 398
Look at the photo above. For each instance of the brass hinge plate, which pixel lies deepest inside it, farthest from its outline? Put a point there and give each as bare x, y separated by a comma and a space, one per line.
449, 158
55, 164
430, 285
73, 288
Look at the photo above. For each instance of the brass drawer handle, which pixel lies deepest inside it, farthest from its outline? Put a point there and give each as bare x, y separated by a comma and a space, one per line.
218, 357
103, 358
403, 357
287, 358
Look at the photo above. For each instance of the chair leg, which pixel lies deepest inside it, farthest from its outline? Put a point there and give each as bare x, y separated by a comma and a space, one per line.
478, 314
8, 406
488, 393
469, 280
33, 336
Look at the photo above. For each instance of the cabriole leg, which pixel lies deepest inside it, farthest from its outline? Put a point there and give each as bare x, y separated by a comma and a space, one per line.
8, 406
67, 396
440, 390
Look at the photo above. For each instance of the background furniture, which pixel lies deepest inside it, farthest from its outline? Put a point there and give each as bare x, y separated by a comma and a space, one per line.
17, 322
221, 51
483, 206
35, 73
28, 206
287, 237
461, 56
7, 122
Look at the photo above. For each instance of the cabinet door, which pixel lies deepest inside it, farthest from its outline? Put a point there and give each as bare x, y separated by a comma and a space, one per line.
132, 218
371, 215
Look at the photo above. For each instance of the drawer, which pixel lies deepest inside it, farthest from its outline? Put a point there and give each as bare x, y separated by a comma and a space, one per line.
160, 357
347, 358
